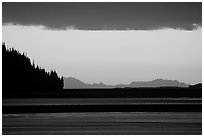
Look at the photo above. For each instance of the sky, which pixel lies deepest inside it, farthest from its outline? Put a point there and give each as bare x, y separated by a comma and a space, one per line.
104, 15
112, 43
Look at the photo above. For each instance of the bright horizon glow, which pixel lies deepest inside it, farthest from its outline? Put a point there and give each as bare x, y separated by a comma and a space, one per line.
112, 57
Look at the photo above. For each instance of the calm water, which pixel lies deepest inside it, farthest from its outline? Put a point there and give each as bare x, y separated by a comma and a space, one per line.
151, 123
98, 101
144, 123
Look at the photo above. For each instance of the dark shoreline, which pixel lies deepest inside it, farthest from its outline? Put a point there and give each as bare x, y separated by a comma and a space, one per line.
100, 108
107, 93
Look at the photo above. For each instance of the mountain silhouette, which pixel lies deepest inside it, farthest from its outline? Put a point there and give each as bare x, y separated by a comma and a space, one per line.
73, 83
156, 83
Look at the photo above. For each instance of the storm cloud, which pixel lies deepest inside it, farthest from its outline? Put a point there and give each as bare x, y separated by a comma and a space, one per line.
104, 15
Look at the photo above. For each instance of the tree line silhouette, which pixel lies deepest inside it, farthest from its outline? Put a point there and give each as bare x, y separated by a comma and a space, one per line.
20, 75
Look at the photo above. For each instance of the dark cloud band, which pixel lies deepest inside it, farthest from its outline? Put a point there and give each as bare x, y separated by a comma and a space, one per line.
104, 15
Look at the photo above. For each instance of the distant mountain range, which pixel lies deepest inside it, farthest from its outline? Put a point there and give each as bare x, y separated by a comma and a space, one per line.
73, 83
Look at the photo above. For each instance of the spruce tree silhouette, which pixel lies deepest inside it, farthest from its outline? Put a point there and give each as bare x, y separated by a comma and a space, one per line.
20, 76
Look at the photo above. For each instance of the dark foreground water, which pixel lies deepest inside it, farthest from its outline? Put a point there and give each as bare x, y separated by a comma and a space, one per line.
159, 116
143, 123
99, 101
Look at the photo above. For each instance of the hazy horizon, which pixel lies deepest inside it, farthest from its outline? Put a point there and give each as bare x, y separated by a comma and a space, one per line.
113, 43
